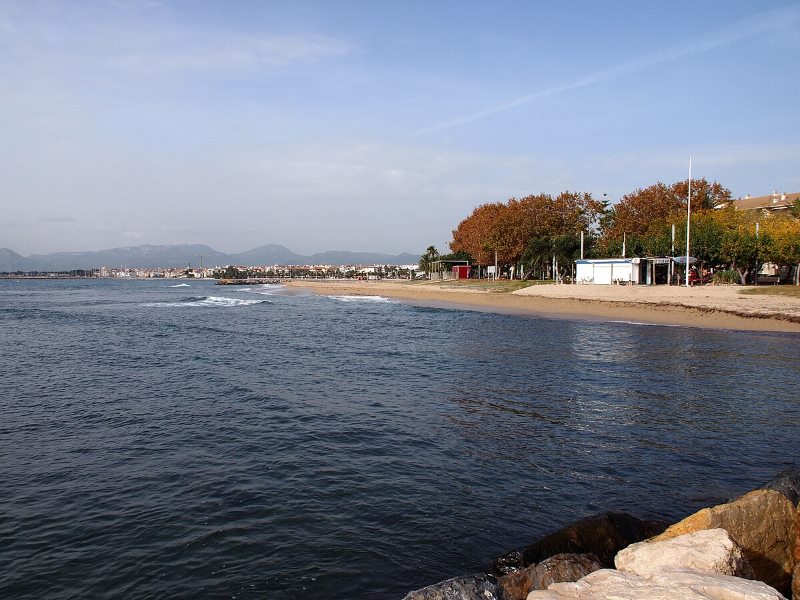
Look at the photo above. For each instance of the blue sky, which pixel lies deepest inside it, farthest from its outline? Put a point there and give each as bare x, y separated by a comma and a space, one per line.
373, 125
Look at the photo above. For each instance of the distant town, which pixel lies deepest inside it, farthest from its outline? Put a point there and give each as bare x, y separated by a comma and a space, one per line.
231, 272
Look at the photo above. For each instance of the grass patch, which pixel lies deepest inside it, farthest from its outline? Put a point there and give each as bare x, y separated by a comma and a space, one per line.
788, 291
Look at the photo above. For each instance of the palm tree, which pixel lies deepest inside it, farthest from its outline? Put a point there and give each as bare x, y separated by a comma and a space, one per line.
426, 260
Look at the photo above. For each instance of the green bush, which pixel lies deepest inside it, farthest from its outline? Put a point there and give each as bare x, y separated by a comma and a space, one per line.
725, 277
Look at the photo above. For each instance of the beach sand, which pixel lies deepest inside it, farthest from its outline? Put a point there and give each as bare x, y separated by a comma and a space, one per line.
715, 307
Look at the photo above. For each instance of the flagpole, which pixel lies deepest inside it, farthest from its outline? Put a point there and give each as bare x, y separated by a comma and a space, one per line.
688, 220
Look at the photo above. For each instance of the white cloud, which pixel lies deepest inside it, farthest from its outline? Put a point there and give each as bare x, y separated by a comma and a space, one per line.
185, 52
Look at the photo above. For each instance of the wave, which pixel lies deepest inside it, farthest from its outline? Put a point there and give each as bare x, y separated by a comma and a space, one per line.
180, 285
372, 299
207, 301
268, 289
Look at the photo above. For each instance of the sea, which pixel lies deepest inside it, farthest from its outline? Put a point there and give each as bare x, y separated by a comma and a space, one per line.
177, 439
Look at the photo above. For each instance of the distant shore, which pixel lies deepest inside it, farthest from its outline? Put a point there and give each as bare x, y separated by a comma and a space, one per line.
713, 307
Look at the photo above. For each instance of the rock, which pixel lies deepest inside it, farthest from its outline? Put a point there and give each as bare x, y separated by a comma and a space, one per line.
787, 482
563, 567
517, 584
558, 568
709, 550
668, 584
797, 538
470, 587
507, 563
602, 535
796, 582
762, 523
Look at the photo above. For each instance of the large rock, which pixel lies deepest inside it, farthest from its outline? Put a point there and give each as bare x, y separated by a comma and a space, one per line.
709, 550
602, 535
668, 584
516, 584
762, 523
471, 587
563, 567
558, 568
787, 482
796, 582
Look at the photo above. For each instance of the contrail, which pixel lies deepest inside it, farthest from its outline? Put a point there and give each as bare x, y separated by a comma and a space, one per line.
769, 21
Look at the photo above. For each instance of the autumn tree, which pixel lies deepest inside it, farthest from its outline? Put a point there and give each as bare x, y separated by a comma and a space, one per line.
784, 233
475, 234
636, 213
741, 247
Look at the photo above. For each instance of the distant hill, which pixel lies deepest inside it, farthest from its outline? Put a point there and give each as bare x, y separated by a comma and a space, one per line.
11, 261
343, 257
182, 255
270, 254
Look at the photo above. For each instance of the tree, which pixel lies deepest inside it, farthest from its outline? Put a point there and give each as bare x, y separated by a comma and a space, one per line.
638, 211
476, 234
784, 231
426, 260
741, 248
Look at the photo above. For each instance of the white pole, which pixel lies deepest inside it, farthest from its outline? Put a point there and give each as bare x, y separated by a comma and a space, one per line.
623, 244
672, 259
581, 244
688, 220
495, 265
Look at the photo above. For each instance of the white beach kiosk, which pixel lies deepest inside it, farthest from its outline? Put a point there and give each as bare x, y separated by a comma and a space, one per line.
651, 270
606, 271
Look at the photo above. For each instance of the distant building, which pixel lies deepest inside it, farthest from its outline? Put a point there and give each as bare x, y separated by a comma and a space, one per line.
774, 202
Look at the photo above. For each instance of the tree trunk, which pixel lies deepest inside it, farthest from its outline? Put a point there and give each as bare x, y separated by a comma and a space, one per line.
742, 275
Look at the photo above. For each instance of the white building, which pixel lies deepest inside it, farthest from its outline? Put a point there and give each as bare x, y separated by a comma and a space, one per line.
608, 270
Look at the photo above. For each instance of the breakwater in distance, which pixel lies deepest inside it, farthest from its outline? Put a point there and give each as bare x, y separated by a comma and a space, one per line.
256, 441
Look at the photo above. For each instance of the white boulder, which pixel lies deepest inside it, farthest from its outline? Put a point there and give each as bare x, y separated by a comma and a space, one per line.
707, 550
666, 584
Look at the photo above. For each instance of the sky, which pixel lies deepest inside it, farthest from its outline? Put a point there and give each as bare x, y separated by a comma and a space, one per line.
374, 126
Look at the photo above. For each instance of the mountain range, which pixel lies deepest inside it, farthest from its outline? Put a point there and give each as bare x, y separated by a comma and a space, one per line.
183, 255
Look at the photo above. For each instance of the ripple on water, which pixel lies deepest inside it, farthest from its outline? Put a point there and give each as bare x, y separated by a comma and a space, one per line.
342, 447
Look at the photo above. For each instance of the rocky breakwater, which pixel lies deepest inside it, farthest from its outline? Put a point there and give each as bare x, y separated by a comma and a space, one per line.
745, 549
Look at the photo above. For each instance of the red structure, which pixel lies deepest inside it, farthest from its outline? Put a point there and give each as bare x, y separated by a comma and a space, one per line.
461, 272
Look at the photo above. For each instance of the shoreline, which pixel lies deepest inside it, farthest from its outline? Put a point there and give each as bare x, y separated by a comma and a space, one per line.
708, 307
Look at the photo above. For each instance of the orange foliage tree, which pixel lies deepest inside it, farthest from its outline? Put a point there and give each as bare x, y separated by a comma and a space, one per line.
509, 228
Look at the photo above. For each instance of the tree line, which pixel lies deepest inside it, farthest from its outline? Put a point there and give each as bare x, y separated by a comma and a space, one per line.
540, 235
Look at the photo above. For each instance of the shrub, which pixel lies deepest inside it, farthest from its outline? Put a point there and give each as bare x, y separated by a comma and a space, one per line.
728, 276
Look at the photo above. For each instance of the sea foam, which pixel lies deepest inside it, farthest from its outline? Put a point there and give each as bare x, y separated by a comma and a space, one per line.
207, 301
372, 299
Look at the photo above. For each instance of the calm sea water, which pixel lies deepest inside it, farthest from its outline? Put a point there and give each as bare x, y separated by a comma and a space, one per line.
160, 441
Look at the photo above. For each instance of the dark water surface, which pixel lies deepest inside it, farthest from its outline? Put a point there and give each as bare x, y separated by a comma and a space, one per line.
204, 441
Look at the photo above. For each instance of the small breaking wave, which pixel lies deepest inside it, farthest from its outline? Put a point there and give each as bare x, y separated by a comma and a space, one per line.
180, 285
268, 289
371, 299
207, 301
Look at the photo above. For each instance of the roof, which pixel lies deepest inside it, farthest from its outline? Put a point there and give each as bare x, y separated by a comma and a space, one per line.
774, 201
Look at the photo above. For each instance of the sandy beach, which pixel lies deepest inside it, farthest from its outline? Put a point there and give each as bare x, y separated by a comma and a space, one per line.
715, 307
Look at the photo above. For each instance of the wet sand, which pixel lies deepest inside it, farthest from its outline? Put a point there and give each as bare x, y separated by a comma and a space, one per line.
715, 307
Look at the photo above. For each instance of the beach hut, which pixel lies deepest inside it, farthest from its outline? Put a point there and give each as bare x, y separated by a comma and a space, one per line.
461, 271
606, 271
